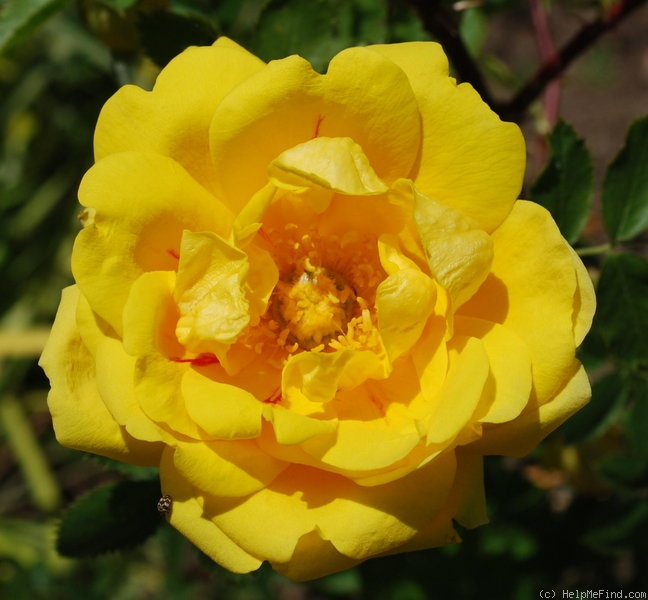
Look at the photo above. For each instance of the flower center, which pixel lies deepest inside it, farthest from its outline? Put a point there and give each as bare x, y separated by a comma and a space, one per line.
314, 304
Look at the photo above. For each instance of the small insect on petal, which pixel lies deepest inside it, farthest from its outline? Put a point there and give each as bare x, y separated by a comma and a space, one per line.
164, 504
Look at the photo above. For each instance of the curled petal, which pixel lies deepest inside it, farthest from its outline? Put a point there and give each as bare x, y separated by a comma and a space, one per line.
317, 376
210, 291
338, 164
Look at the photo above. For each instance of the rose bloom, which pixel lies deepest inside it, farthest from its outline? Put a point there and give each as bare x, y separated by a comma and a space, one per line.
314, 302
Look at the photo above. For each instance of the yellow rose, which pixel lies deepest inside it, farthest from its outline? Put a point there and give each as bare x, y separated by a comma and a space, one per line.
314, 302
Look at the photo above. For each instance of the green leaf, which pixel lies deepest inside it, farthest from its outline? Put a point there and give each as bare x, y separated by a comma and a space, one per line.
635, 423
110, 517
622, 314
165, 35
620, 529
121, 5
316, 30
625, 189
624, 471
565, 186
473, 29
19, 18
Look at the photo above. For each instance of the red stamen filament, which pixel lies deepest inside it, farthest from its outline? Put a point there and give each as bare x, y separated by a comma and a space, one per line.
202, 360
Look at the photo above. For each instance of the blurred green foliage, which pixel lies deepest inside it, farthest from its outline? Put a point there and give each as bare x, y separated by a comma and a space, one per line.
573, 515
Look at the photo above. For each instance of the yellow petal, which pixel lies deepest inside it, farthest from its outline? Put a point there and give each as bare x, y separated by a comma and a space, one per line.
150, 316
210, 291
362, 96
584, 300
337, 164
531, 291
465, 504
186, 515
115, 380
261, 280
173, 120
81, 419
459, 255
461, 392
509, 386
248, 220
139, 206
404, 301
468, 490
250, 129
158, 382
430, 358
369, 99
233, 468
317, 376
313, 558
222, 411
520, 436
114, 372
359, 522
470, 160
291, 428
364, 445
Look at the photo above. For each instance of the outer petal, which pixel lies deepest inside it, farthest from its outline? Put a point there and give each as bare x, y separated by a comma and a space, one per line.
532, 290
359, 522
140, 205
521, 435
186, 516
465, 504
173, 120
584, 301
470, 160
363, 97
81, 419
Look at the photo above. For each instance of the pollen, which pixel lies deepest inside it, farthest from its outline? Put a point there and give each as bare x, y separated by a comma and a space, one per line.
312, 306
324, 300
